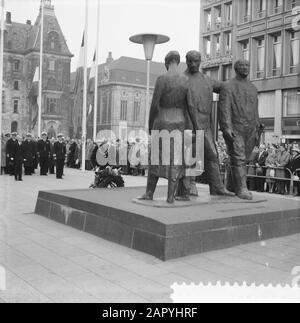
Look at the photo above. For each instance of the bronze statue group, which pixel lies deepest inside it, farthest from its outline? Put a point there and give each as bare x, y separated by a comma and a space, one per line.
184, 101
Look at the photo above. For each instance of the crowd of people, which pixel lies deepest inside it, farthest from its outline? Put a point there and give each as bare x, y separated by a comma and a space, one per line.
269, 170
52, 155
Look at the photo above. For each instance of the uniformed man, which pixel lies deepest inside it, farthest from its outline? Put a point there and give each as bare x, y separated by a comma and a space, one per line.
10, 148
29, 154
43, 149
51, 158
59, 155
17, 155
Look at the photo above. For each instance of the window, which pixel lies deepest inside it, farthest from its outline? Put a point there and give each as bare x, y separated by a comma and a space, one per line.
218, 45
16, 65
260, 63
16, 85
293, 4
262, 8
228, 13
123, 114
276, 6
207, 15
52, 105
259, 8
228, 42
51, 65
277, 54
53, 41
247, 11
14, 126
291, 103
218, 15
245, 50
105, 107
16, 106
136, 111
207, 46
227, 72
266, 104
294, 52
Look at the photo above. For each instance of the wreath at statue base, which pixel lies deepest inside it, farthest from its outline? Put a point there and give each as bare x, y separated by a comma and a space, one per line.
108, 177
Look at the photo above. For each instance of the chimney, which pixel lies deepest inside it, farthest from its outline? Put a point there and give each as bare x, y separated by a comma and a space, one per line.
28, 22
8, 17
109, 58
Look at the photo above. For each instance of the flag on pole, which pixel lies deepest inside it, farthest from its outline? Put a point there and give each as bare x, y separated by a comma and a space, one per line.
77, 90
91, 86
33, 97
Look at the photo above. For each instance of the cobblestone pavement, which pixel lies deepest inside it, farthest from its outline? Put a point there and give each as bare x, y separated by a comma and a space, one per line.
45, 261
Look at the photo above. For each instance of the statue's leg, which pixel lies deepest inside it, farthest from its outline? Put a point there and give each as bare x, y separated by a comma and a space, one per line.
212, 167
183, 189
193, 187
151, 186
239, 169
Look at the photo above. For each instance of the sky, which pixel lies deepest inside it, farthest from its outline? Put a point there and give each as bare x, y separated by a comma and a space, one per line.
120, 19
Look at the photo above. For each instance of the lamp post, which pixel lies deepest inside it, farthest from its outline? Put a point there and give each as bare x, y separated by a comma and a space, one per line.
149, 41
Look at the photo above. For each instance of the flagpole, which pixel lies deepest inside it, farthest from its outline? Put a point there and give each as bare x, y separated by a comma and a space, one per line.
1, 70
41, 70
84, 87
96, 75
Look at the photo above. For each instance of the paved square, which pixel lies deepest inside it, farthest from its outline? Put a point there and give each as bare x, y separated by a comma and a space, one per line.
49, 262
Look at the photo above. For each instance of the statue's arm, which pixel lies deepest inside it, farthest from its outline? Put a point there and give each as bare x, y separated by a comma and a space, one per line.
155, 101
224, 112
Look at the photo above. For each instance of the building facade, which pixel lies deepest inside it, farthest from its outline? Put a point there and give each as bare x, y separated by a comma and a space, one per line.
21, 60
267, 33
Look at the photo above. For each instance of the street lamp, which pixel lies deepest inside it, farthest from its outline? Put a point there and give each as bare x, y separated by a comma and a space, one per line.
149, 41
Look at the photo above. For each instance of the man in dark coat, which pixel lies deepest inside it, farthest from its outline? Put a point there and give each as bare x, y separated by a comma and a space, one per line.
294, 166
260, 163
239, 122
59, 155
10, 148
201, 90
51, 158
43, 149
29, 154
17, 155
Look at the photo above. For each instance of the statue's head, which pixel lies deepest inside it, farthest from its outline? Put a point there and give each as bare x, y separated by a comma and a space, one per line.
242, 68
193, 61
172, 57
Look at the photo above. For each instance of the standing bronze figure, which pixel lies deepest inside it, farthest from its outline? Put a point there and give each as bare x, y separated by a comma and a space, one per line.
168, 113
239, 122
201, 90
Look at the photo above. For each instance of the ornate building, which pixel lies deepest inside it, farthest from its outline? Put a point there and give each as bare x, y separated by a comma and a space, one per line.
267, 33
21, 59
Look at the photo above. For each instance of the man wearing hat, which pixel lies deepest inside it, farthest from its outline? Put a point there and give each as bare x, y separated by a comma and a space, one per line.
59, 155
43, 149
294, 166
29, 154
10, 148
18, 155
